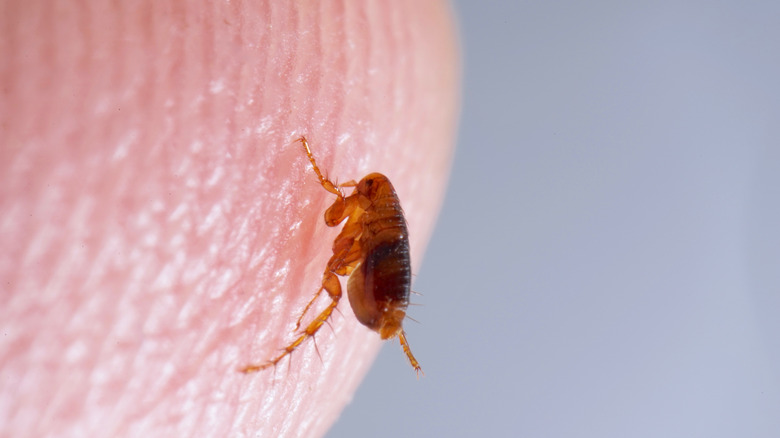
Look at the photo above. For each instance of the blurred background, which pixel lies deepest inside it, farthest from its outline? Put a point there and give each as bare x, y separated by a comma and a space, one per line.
607, 262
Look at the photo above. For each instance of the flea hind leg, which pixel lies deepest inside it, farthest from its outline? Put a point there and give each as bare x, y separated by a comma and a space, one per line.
331, 284
344, 254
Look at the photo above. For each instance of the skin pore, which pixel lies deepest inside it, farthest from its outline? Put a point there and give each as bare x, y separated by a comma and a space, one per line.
161, 228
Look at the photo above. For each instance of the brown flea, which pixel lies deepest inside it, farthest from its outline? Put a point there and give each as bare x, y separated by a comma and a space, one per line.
373, 249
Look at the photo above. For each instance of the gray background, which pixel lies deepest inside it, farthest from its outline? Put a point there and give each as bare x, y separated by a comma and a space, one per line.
606, 263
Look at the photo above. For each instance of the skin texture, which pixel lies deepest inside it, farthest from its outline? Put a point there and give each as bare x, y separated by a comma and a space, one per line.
160, 228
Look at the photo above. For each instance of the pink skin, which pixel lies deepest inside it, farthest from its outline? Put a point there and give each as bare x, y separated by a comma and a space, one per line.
159, 226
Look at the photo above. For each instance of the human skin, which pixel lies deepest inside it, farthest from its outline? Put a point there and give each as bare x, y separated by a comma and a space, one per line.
159, 226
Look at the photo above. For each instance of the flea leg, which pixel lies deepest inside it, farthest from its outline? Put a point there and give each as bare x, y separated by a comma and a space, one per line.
343, 249
324, 181
409, 355
330, 283
339, 262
